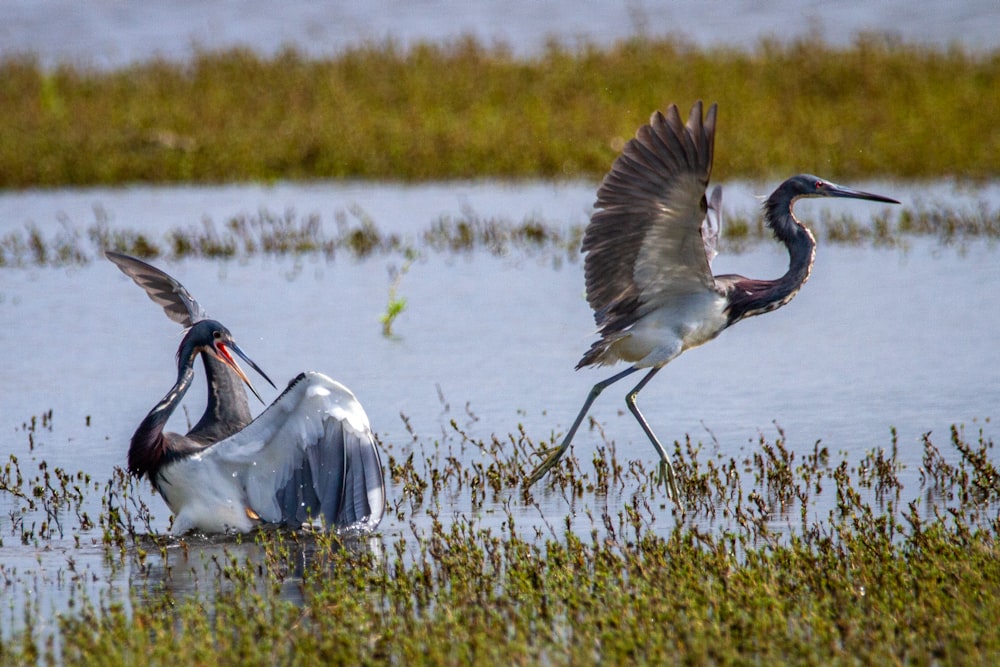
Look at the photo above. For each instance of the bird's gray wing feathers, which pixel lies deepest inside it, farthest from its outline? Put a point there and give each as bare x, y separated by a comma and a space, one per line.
645, 243
711, 230
346, 469
311, 455
178, 304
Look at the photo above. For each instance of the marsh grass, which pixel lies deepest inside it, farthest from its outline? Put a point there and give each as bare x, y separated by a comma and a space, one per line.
779, 555
463, 110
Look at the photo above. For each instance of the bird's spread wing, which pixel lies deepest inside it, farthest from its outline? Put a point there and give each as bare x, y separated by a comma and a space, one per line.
645, 243
179, 305
310, 455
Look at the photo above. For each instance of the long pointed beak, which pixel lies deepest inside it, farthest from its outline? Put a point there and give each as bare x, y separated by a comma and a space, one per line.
243, 355
834, 190
226, 358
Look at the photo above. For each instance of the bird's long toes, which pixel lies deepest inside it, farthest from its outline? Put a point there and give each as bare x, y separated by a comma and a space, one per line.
544, 467
667, 479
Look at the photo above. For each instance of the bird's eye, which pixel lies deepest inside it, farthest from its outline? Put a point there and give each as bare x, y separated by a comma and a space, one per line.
217, 335
820, 185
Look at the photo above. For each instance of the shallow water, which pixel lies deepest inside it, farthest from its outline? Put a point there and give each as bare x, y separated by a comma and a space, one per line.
109, 34
879, 338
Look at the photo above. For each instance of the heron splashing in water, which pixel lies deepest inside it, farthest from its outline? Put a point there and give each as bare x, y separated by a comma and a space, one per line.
310, 456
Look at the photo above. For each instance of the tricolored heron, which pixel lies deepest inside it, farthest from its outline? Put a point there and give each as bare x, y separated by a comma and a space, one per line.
310, 456
649, 245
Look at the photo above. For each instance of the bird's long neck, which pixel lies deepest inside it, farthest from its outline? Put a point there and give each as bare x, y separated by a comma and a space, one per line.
150, 448
797, 239
749, 297
227, 411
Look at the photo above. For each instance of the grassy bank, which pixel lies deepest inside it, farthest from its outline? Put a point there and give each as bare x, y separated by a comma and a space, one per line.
877, 108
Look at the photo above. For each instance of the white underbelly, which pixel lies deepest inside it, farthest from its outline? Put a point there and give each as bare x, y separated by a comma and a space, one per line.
665, 333
204, 497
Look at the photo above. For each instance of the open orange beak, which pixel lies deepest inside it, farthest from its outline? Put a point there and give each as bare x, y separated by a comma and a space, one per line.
221, 352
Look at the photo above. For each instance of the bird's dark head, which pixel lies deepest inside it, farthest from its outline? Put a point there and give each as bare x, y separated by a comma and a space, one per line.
807, 185
214, 339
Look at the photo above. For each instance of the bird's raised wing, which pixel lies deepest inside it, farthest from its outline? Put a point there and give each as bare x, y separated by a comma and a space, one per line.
179, 305
310, 455
645, 242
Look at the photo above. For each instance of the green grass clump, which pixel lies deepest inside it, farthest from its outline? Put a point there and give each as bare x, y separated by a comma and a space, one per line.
462, 110
396, 304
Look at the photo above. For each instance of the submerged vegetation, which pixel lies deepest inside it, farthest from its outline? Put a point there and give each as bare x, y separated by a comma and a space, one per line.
777, 556
355, 234
463, 110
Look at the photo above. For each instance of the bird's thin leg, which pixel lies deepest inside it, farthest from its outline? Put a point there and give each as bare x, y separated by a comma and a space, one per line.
551, 459
665, 466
